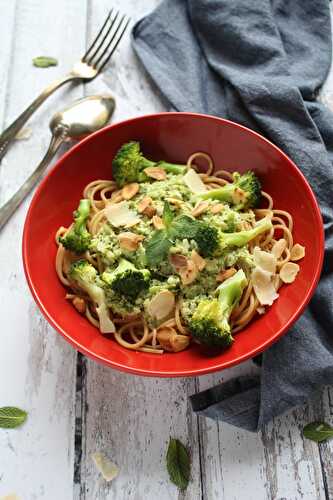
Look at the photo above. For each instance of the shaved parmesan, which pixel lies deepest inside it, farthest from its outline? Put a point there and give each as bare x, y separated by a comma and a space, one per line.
105, 323
264, 260
261, 310
119, 214
279, 247
263, 286
108, 469
194, 182
289, 272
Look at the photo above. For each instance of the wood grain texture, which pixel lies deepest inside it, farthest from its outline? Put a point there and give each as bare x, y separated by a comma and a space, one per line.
37, 366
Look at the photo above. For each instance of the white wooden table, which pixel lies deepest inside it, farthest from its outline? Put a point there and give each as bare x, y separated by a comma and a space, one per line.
75, 405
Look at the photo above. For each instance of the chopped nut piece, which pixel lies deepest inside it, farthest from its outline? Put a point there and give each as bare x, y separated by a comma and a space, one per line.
161, 305
130, 190
178, 261
188, 274
179, 342
297, 252
149, 211
157, 173
144, 203
79, 304
289, 272
171, 341
198, 260
225, 274
200, 208
175, 201
129, 241
157, 222
215, 209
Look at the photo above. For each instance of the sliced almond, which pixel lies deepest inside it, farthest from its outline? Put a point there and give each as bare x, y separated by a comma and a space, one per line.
198, 260
178, 261
144, 203
108, 469
225, 274
200, 208
149, 211
157, 222
116, 197
175, 201
289, 272
297, 252
171, 341
161, 305
216, 209
130, 190
129, 241
79, 304
279, 247
157, 173
188, 274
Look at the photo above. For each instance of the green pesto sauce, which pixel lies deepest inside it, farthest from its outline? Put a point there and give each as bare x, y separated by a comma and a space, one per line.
106, 247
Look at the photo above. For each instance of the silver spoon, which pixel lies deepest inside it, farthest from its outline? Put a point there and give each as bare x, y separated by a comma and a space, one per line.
73, 123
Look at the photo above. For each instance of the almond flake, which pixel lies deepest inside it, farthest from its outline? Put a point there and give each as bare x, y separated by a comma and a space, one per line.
129, 241
157, 222
225, 274
188, 274
178, 261
297, 252
198, 260
216, 209
200, 208
157, 173
289, 272
130, 190
144, 203
263, 286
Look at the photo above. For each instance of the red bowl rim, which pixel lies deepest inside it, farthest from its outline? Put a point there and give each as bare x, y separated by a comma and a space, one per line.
196, 371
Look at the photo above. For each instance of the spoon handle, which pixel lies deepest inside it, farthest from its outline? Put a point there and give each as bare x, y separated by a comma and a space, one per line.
7, 210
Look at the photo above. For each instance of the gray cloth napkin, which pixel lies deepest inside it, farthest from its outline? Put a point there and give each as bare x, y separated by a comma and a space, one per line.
260, 64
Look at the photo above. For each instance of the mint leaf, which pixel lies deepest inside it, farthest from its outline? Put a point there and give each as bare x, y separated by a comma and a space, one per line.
184, 226
178, 464
167, 215
44, 61
158, 247
318, 431
11, 417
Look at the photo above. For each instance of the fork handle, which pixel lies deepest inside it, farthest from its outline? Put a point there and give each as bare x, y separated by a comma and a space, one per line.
8, 135
7, 210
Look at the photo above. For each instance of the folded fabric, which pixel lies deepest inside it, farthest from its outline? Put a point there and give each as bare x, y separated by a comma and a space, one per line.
260, 64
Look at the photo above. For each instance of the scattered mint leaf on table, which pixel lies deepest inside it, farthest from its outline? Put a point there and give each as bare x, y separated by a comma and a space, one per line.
11, 417
44, 61
178, 464
318, 431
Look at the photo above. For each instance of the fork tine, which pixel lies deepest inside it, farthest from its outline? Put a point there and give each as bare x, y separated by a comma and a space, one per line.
108, 56
103, 39
97, 37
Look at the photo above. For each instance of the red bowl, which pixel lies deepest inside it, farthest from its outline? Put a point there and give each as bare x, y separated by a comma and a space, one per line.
171, 136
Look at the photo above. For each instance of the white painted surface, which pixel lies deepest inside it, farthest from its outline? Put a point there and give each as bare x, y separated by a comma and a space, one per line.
129, 418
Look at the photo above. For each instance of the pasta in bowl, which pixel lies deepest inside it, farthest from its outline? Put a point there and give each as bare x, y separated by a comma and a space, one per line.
165, 254
159, 324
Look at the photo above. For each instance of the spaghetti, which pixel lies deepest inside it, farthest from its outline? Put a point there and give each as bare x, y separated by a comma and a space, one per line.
133, 332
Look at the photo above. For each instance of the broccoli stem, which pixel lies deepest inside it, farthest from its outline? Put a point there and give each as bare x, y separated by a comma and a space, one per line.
229, 294
243, 237
225, 193
173, 168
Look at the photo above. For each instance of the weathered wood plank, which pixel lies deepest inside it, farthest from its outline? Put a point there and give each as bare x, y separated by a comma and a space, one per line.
37, 365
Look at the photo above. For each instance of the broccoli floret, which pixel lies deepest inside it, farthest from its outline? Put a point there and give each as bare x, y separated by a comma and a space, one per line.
244, 192
211, 241
78, 237
129, 164
207, 239
85, 277
210, 323
127, 280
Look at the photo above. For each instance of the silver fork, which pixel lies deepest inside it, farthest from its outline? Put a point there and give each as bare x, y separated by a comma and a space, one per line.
89, 66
